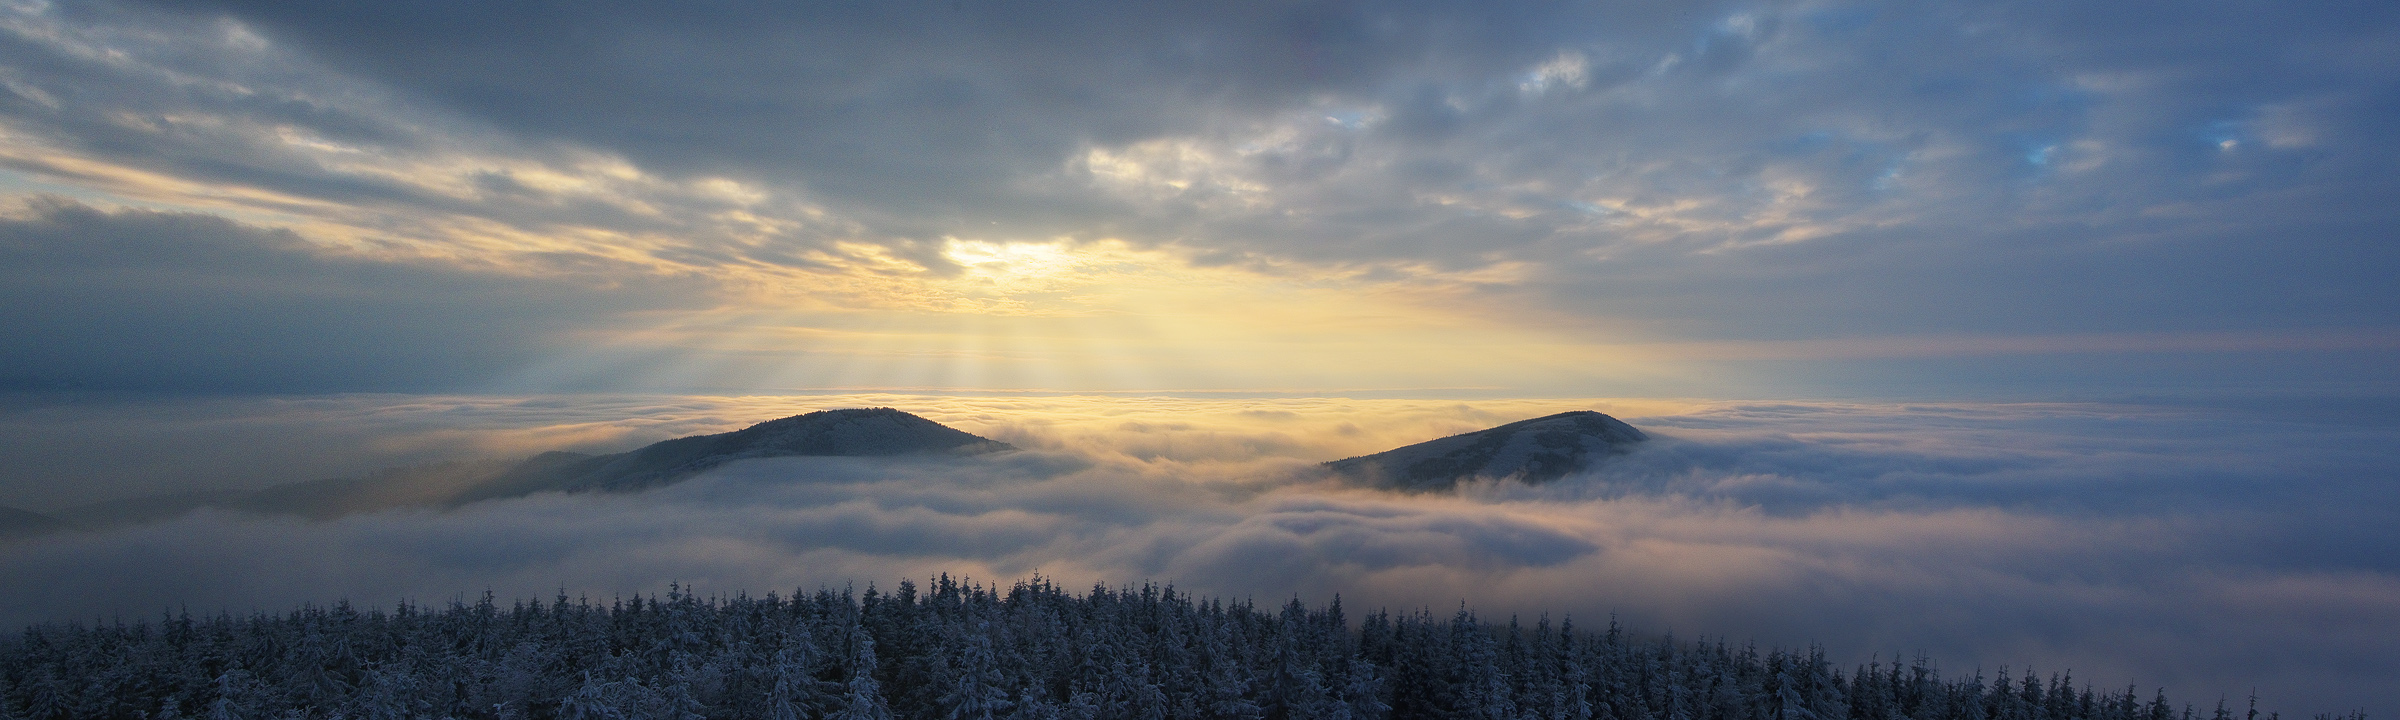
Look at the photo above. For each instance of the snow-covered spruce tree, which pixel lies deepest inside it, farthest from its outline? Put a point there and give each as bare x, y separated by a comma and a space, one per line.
796, 693
389, 693
862, 696
591, 701
1226, 692
1294, 687
975, 679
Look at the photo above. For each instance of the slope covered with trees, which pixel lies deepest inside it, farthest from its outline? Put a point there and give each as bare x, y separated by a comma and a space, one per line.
1530, 451
960, 650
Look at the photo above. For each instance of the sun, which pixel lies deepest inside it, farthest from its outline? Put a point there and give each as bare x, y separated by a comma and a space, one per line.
1074, 314
1023, 259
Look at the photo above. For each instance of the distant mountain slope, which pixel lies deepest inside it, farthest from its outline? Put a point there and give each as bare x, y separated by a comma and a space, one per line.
420, 485
147, 508
850, 432
417, 485
1537, 450
15, 523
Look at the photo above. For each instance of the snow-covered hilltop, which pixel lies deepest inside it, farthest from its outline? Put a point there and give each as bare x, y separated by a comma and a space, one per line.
1536, 450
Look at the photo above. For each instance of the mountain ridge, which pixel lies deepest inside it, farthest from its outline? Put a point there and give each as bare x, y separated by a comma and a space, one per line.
851, 432
19, 523
1532, 451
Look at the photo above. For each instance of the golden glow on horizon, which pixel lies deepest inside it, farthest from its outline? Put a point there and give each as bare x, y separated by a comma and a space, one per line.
1064, 315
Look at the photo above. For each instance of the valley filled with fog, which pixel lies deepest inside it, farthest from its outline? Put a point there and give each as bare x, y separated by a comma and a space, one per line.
2207, 548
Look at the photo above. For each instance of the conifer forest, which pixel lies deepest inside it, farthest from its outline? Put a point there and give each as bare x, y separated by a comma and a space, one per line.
963, 650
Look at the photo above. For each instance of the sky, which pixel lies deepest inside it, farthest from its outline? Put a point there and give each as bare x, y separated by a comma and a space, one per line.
2052, 332
1957, 200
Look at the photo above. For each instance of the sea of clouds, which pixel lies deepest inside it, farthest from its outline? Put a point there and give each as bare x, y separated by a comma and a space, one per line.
2211, 548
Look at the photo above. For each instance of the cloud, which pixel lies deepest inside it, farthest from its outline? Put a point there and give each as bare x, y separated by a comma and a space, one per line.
1679, 178
2208, 549
1922, 144
135, 299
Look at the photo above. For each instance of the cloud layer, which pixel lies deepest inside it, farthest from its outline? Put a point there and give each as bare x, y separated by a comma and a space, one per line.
2208, 549
2192, 193
142, 300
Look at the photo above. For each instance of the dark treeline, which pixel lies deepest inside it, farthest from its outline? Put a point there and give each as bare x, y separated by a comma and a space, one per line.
959, 650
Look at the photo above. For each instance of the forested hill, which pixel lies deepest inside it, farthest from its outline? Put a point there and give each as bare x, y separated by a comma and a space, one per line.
848, 432
1531, 451
853, 432
1031, 651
